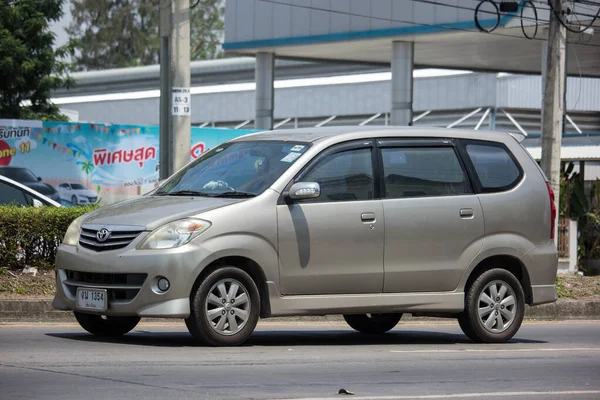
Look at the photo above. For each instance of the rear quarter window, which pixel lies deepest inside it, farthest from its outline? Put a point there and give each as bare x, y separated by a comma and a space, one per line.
496, 169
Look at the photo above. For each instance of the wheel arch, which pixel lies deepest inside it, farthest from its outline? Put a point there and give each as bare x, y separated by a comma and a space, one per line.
509, 263
247, 265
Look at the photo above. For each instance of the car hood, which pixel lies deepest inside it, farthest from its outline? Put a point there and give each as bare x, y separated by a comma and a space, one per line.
40, 187
154, 211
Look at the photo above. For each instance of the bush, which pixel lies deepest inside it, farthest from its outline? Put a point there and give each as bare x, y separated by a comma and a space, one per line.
30, 236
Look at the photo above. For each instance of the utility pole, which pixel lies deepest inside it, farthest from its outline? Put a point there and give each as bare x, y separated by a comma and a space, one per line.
175, 98
554, 101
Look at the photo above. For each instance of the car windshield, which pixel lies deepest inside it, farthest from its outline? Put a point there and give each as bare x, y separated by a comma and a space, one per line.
245, 168
77, 186
18, 174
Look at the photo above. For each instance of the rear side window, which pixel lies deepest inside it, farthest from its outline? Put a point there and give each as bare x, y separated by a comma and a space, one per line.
422, 172
494, 166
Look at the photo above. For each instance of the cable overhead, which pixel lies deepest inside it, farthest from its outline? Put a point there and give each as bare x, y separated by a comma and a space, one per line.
476, 17
591, 24
535, 13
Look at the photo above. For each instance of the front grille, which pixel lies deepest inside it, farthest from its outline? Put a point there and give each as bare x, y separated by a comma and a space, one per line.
119, 237
99, 278
119, 287
92, 199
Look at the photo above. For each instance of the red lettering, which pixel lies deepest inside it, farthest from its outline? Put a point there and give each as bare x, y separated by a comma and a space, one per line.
100, 156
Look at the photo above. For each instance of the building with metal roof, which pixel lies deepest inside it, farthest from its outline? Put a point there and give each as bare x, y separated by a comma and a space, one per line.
308, 93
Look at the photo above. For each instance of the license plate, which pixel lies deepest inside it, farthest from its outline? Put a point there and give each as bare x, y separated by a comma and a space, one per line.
91, 299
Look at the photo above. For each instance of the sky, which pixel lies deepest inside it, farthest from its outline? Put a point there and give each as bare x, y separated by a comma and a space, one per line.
59, 26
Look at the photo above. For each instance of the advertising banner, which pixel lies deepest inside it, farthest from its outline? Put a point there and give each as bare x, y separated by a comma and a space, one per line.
82, 163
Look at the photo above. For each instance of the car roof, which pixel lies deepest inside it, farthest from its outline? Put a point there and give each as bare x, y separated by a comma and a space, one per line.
29, 190
353, 132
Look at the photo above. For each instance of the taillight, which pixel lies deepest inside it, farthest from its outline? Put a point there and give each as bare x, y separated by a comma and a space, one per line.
552, 210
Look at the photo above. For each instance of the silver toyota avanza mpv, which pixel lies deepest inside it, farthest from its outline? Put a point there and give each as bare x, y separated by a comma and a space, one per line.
365, 222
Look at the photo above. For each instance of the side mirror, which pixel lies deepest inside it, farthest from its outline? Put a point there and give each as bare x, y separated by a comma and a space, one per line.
39, 179
304, 190
37, 203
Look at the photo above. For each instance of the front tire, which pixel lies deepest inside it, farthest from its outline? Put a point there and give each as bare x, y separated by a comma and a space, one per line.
225, 308
494, 307
74, 200
108, 326
372, 323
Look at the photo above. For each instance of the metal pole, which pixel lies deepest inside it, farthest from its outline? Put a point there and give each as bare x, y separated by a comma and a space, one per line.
165, 87
175, 99
554, 101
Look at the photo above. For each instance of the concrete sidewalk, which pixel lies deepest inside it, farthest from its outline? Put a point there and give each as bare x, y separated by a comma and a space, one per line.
40, 310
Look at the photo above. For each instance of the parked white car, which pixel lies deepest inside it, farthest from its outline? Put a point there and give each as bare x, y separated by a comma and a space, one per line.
76, 194
13, 192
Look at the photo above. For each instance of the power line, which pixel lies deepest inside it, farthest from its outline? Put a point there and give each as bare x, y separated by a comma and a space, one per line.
558, 17
449, 28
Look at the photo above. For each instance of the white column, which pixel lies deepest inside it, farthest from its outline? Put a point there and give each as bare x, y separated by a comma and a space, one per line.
544, 44
572, 247
264, 77
402, 82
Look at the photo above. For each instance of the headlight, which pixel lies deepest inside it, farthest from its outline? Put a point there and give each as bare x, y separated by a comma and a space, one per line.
174, 234
72, 235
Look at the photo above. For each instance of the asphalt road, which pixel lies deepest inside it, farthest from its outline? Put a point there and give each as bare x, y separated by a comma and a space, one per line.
300, 360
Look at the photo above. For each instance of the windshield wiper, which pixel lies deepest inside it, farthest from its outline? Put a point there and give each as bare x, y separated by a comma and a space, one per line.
235, 193
184, 193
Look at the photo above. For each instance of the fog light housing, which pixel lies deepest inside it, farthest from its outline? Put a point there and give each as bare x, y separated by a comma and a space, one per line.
163, 284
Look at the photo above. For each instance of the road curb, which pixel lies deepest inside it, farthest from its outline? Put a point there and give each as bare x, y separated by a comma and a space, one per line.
40, 310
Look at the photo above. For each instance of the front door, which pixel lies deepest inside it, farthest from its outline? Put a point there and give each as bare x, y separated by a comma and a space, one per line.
334, 244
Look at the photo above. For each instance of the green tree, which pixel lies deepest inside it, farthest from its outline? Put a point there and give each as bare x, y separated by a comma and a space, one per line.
87, 167
206, 25
124, 33
31, 68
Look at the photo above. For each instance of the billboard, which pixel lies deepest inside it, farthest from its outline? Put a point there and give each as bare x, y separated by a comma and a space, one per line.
82, 163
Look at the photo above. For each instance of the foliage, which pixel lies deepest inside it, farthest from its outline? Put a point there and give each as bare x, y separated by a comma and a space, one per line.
589, 228
206, 29
561, 290
31, 67
31, 236
125, 33
573, 202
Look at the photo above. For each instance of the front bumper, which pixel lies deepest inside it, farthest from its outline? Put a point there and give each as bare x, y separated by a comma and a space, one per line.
86, 200
80, 267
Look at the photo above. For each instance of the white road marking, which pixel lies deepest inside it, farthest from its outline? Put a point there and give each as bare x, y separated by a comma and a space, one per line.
504, 350
464, 395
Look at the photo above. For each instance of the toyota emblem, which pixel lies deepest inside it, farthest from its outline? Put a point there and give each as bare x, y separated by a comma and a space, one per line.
102, 235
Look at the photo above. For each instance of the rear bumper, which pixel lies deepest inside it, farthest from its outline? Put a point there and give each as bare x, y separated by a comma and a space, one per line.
542, 294
541, 263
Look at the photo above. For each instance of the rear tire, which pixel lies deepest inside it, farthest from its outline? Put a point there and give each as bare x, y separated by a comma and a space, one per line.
494, 307
225, 308
372, 323
108, 326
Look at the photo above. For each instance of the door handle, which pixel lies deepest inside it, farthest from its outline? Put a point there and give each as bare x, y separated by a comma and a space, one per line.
466, 213
367, 217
